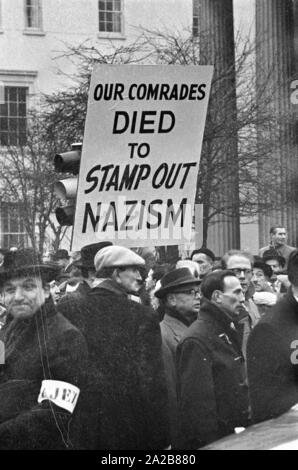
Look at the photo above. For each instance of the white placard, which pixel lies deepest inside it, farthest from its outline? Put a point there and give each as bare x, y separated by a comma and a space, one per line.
141, 154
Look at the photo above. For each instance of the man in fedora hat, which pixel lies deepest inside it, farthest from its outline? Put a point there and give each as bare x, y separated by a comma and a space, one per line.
124, 344
211, 385
44, 359
179, 295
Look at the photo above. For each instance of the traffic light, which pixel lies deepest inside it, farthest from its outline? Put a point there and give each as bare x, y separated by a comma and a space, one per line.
66, 189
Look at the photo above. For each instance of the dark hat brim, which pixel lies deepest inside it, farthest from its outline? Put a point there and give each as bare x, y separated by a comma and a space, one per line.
46, 272
175, 285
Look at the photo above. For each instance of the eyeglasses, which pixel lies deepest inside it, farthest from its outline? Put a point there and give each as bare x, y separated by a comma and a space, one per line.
238, 271
193, 292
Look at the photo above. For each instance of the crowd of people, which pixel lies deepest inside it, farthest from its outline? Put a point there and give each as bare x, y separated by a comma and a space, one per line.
110, 349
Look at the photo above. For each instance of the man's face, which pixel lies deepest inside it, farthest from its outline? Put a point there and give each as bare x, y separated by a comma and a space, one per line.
275, 266
232, 297
55, 291
23, 296
130, 279
187, 303
241, 266
259, 280
279, 237
204, 262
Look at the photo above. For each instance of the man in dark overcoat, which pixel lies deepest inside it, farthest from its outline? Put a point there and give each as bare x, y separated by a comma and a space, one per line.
272, 354
124, 344
44, 360
179, 294
212, 393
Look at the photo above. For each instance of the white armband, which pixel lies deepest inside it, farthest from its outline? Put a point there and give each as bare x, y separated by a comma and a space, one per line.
63, 394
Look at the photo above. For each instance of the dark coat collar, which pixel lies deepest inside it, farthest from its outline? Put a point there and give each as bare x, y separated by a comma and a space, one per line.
15, 331
110, 286
221, 321
48, 309
212, 312
178, 316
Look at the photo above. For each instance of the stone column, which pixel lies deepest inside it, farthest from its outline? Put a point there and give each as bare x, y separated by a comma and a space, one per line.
274, 68
219, 156
295, 11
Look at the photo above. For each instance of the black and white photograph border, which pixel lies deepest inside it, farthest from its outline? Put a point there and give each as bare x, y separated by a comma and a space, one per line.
148, 146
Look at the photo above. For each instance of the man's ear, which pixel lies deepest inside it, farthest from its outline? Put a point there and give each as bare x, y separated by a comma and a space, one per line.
116, 276
216, 296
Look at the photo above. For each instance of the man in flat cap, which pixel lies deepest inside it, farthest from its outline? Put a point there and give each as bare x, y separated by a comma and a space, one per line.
179, 295
124, 343
44, 359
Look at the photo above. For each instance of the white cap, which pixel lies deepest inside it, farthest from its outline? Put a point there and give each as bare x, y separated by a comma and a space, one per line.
115, 256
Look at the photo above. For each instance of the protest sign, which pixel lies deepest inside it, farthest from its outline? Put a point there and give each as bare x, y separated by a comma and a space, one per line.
141, 154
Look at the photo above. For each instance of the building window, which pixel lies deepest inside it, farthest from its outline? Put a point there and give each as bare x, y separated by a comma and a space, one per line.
195, 16
110, 16
33, 14
13, 114
12, 227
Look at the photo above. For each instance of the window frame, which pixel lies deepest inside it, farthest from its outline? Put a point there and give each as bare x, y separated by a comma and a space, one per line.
111, 34
14, 115
15, 217
37, 9
19, 78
